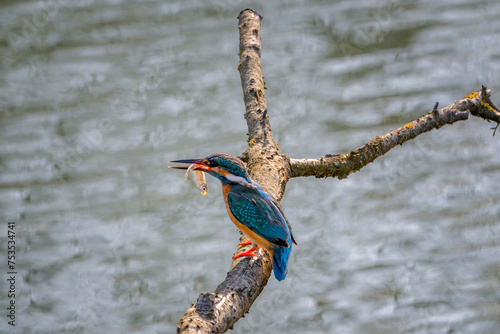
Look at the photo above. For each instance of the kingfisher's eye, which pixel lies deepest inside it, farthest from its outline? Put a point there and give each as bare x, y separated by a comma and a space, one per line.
211, 163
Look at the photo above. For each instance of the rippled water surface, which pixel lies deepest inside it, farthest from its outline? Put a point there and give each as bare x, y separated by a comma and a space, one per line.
97, 96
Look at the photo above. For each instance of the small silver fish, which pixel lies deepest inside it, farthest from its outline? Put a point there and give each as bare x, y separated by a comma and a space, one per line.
201, 181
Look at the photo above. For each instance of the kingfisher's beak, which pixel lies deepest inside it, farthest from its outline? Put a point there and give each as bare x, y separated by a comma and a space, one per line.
199, 164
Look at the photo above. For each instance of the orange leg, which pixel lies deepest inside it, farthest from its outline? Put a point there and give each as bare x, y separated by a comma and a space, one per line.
248, 242
248, 252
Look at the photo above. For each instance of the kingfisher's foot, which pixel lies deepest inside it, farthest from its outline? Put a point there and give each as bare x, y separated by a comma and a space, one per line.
244, 243
249, 252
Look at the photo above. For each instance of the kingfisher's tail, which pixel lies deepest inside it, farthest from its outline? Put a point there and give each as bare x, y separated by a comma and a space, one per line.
280, 261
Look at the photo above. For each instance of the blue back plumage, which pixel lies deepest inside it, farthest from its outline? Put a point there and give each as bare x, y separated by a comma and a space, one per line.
281, 254
262, 214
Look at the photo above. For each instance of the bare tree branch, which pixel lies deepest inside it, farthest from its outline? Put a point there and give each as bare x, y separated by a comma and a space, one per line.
477, 103
218, 311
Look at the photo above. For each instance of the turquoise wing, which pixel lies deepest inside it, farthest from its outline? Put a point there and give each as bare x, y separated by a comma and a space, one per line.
260, 215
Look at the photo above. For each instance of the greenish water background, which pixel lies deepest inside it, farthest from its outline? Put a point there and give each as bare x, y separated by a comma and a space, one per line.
97, 96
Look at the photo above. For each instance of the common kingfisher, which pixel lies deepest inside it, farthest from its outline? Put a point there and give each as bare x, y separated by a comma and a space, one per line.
255, 212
